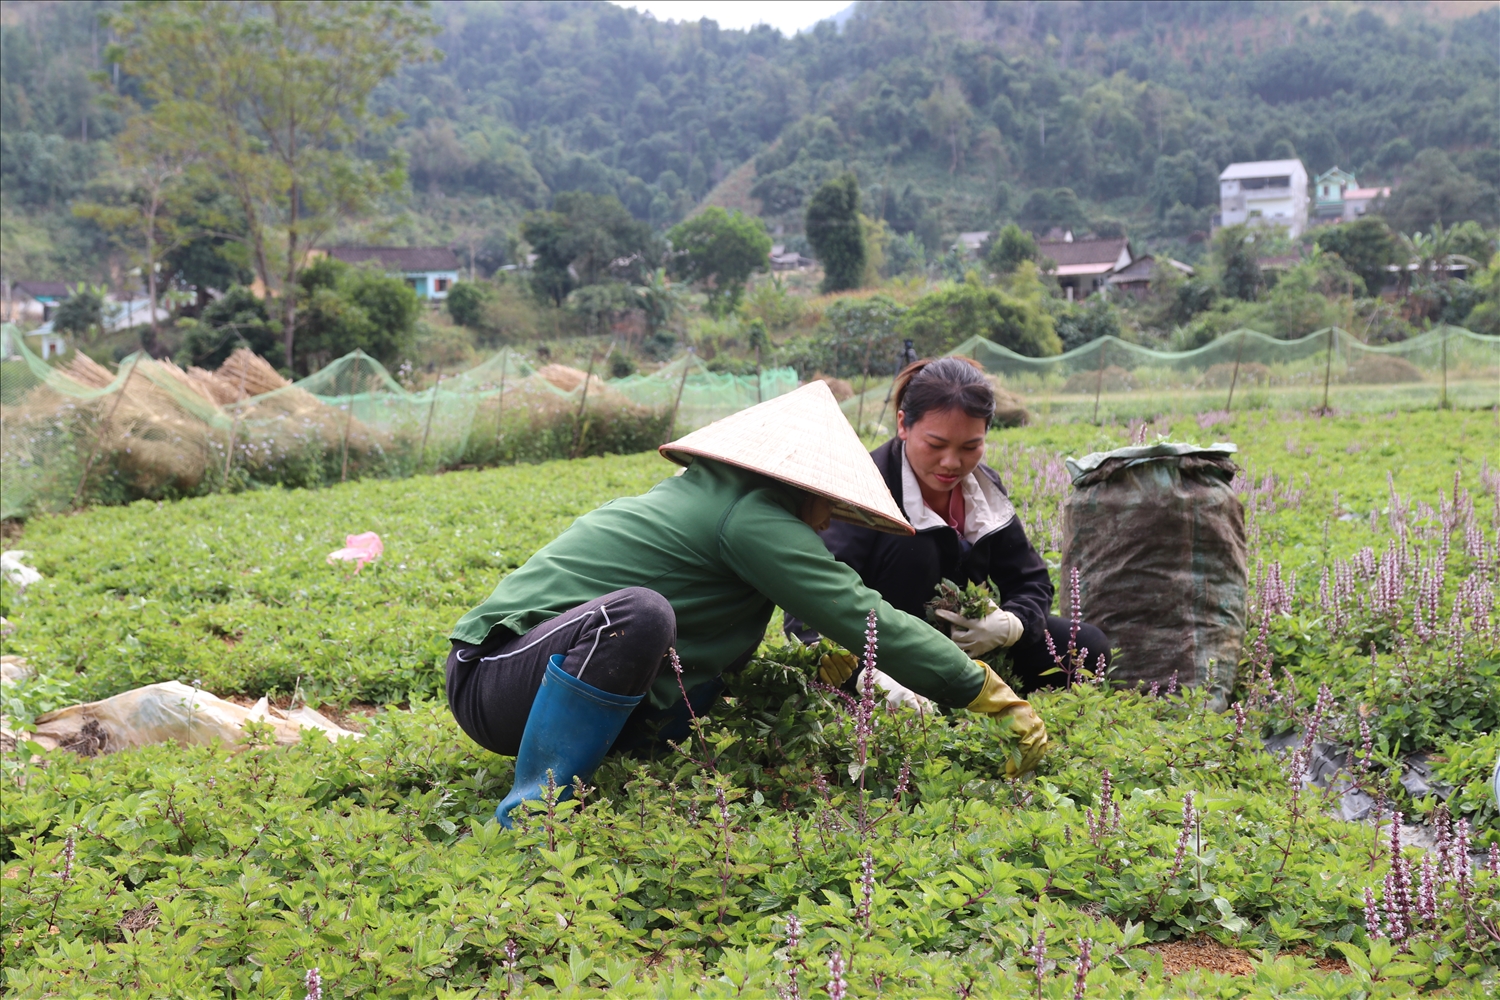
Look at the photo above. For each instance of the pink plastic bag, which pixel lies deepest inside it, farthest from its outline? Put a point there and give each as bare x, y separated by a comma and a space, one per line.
358, 549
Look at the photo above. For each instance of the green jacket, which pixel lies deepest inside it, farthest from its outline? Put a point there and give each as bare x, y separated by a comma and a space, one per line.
725, 547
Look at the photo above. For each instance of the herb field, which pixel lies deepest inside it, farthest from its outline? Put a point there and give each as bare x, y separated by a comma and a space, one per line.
1160, 850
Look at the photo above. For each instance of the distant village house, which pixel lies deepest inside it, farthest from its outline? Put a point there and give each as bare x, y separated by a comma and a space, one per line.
33, 301
1339, 198
430, 271
1264, 193
1085, 266
1135, 278
784, 260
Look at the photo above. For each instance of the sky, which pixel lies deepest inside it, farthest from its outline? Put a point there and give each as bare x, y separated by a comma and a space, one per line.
790, 16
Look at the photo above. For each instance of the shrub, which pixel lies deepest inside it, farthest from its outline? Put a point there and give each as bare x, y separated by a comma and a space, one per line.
941, 320
466, 303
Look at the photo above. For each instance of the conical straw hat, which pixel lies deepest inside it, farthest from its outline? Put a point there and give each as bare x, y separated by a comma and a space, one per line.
801, 439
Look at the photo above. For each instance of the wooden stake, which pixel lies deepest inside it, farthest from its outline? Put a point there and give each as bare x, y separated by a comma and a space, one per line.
864, 386
234, 425
99, 437
583, 400
348, 423
672, 424
1327, 370
1235, 377
422, 458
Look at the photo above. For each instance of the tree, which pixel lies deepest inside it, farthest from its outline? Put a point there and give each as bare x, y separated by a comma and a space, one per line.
347, 308
236, 319
1080, 323
1045, 209
941, 320
1434, 190
151, 166
82, 312
275, 99
946, 113
595, 303
719, 250
1239, 267
585, 239
466, 301
1367, 247
660, 301
212, 253
836, 233
866, 329
1009, 247
771, 303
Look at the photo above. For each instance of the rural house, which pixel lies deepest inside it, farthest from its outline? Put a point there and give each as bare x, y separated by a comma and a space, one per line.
431, 271
1328, 194
1264, 192
1135, 278
783, 259
1339, 198
33, 301
1357, 201
1084, 266
972, 243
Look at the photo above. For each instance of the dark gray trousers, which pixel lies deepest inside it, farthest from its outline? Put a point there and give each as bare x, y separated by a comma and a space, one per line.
616, 643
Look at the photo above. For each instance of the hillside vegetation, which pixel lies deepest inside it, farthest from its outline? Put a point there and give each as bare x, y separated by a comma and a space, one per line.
953, 116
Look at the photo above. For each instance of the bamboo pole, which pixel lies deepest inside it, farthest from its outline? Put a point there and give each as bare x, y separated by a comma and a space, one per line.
681, 383
864, 386
583, 400
1327, 369
422, 457
1235, 376
234, 425
348, 424
99, 437
901, 363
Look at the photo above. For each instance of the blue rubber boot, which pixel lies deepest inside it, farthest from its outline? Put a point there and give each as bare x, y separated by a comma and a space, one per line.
571, 726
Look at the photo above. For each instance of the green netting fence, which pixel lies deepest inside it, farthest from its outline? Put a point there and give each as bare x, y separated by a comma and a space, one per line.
1109, 379
76, 435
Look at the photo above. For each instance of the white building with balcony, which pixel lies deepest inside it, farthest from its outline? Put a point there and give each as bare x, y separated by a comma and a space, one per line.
1264, 193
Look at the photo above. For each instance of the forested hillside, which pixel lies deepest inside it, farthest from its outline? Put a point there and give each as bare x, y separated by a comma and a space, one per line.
1093, 115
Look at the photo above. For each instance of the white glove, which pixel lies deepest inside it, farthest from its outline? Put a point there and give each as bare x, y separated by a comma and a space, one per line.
998, 628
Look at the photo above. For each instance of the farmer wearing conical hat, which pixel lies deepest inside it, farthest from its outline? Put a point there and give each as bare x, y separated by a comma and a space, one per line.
568, 657
966, 531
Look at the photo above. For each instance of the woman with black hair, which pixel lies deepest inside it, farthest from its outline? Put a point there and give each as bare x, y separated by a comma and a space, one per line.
966, 529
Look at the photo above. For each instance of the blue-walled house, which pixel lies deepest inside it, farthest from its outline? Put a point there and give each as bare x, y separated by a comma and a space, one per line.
431, 271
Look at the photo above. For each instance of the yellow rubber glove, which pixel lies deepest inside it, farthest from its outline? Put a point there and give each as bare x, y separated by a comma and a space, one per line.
837, 667
998, 701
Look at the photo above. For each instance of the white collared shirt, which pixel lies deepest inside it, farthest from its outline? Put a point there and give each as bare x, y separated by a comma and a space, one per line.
986, 508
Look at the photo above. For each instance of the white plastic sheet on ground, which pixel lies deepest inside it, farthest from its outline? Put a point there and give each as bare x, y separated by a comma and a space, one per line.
169, 711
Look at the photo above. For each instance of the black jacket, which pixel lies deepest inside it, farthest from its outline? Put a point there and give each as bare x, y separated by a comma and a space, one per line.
905, 569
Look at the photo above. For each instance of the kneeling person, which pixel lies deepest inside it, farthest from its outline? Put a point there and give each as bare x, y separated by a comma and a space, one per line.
966, 529
567, 657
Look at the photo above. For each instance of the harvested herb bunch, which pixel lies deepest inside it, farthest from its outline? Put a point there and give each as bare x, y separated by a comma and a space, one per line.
974, 601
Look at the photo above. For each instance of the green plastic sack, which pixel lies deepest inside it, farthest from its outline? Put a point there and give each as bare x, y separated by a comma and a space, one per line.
1158, 538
